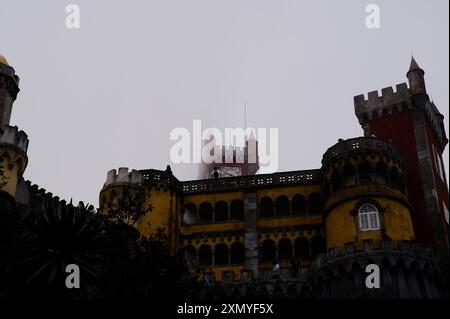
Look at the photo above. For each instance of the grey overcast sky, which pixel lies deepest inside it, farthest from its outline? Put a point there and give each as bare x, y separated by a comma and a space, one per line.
109, 94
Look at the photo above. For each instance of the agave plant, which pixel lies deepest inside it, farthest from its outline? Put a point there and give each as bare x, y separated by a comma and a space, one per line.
57, 237
115, 261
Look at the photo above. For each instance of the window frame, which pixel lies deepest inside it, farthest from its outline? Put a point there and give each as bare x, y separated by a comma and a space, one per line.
368, 220
379, 213
438, 164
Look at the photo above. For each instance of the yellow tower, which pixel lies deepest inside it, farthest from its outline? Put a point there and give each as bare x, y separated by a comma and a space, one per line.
13, 143
366, 201
156, 194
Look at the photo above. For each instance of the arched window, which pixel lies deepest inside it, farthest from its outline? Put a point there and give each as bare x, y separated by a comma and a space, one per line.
314, 203
282, 206
190, 214
268, 251
302, 248
237, 253
221, 211
205, 212
298, 205
318, 245
266, 207
237, 210
205, 255
368, 218
284, 249
221, 254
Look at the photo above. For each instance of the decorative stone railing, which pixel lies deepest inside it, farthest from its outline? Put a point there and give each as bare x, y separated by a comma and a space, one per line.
231, 183
157, 177
361, 145
252, 181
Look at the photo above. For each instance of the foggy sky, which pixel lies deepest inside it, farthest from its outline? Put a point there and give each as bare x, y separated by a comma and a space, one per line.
109, 94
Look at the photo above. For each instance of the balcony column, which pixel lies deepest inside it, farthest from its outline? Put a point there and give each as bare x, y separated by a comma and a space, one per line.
252, 250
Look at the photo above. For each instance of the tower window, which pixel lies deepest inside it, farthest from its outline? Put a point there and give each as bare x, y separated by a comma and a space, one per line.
438, 164
368, 218
445, 212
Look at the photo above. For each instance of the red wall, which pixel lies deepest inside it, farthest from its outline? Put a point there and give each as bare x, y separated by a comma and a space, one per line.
398, 127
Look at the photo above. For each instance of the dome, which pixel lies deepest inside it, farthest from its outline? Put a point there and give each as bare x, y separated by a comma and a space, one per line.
3, 60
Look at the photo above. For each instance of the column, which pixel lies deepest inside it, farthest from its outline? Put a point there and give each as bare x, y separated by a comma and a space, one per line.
251, 234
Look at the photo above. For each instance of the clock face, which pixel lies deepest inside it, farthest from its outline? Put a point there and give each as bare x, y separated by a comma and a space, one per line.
230, 171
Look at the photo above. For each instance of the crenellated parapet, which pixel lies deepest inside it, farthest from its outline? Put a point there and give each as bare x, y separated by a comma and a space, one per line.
9, 88
39, 198
122, 192
231, 154
123, 177
11, 136
13, 143
31, 198
13, 157
413, 97
9, 80
388, 102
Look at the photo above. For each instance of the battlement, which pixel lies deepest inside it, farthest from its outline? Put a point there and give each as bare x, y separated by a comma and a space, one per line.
11, 135
9, 79
387, 101
235, 154
229, 154
36, 191
31, 197
123, 177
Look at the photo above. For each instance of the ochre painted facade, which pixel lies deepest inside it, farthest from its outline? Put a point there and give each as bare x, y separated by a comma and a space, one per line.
369, 195
359, 199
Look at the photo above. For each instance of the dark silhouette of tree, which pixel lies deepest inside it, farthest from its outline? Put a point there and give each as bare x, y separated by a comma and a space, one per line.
130, 206
55, 238
115, 261
148, 270
11, 248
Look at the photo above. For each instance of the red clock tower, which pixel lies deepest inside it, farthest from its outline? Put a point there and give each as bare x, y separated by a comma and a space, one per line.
412, 122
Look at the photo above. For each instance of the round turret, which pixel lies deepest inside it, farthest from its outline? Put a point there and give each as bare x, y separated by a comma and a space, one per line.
13, 143
366, 200
152, 196
416, 78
